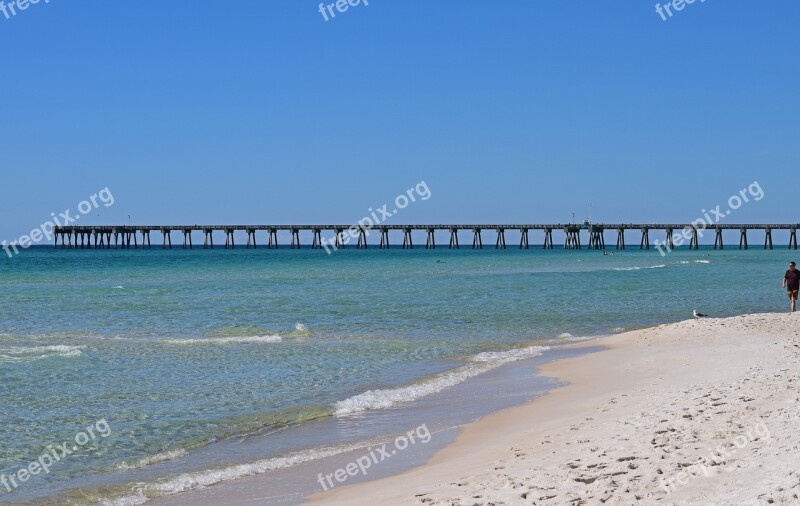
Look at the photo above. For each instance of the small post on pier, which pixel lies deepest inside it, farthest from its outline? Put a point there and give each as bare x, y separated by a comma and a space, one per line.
645, 244
316, 241
337, 237
793, 238
523, 240
362, 238
743, 238
768, 238
670, 239
273, 239
430, 241
694, 242
453, 238
477, 241
295, 244
548, 238
408, 243
718, 244
620, 238
384, 238
229, 242
501, 239
572, 238
187, 238
167, 238
596, 237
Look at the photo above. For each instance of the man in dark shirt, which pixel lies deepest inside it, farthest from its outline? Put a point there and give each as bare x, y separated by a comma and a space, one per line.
791, 281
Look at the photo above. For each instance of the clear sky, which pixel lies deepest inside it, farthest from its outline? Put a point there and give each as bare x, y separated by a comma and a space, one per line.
260, 111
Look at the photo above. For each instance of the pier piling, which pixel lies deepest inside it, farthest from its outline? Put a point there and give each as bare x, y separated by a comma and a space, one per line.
430, 242
523, 240
718, 244
645, 244
408, 243
454, 238
477, 240
501, 239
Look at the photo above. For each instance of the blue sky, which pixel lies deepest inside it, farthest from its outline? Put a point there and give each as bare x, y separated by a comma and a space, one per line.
520, 111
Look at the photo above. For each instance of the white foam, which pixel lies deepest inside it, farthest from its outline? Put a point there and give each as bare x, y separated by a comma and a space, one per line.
479, 364
153, 459
227, 340
702, 261
118, 287
299, 327
685, 261
192, 481
29, 354
659, 266
566, 336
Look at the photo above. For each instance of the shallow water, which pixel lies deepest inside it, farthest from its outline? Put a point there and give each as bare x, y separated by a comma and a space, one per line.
178, 349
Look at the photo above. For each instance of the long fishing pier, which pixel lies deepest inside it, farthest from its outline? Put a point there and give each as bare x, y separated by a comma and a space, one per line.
672, 235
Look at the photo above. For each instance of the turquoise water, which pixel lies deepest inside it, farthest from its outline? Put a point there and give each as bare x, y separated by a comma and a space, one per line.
177, 349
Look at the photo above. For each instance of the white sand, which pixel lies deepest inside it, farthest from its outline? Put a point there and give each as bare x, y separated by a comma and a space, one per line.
634, 421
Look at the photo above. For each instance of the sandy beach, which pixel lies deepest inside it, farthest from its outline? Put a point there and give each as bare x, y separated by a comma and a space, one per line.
697, 412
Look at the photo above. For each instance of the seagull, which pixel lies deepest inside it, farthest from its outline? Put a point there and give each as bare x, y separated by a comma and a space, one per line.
699, 315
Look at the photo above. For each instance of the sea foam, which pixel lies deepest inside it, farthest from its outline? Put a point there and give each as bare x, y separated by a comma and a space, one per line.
659, 266
192, 481
479, 364
227, 340
23, 354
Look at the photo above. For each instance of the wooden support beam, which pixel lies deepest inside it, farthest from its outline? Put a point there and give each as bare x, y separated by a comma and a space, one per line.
430, 241
362, 238
572, 237
454, 238
338, 243
384, 238
316, 238
408, 243
477, 240
743, 238
768, 239
523, 240
501, 239
597, 238
718, 243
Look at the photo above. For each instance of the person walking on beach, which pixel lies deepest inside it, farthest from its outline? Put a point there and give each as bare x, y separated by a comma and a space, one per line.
791, 281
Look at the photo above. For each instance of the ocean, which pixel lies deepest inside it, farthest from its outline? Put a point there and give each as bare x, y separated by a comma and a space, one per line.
201, 360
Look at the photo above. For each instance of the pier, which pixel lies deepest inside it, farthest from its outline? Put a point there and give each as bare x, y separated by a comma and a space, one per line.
645, 236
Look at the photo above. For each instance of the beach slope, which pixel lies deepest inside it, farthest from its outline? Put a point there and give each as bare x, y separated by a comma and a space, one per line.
697, 412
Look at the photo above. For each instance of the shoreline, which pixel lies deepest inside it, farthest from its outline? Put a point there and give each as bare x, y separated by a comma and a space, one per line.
290, 476
644, 432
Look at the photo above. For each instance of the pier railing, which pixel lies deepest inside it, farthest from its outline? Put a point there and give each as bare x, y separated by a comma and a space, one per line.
674, 235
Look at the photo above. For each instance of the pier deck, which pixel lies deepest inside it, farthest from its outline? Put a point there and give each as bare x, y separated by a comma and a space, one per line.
671, 235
